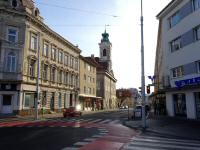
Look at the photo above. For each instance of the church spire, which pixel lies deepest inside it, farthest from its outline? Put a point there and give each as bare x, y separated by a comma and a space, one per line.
105, 36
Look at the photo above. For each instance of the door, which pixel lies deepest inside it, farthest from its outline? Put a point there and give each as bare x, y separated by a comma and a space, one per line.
7, 104
197, 100
180, 104
52, 101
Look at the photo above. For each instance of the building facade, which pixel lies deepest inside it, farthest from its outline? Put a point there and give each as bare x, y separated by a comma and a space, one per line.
106, 82
24, 41
177, 66
88, 78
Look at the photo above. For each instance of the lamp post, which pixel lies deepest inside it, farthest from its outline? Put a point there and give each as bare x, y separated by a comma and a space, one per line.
142, 70
38, 78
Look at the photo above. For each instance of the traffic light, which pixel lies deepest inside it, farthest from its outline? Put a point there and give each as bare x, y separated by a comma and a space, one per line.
148, 89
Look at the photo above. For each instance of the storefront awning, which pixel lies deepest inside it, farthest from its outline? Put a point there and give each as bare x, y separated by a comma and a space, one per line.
91, 96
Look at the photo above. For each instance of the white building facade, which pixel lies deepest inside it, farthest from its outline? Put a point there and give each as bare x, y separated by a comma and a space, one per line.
177, 66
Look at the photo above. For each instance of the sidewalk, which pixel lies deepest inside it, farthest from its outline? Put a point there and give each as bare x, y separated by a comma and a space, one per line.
171, 126
53, 115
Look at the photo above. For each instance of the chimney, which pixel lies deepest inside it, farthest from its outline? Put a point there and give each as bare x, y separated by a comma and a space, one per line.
92, 56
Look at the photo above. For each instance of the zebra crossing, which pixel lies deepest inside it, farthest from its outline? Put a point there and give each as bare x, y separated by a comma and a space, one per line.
56, 122
145, 142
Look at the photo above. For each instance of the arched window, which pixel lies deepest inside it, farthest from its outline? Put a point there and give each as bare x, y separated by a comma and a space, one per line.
11, 62
104, 52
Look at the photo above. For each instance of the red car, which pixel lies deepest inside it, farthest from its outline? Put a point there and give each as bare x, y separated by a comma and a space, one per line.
71, 112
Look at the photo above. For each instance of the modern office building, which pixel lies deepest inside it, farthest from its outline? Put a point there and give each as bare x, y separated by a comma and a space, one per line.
177, 65
26, 41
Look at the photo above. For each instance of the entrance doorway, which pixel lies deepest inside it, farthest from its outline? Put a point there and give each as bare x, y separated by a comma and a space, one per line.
197, 101
52, 101
180, 104
7, 104
70, 100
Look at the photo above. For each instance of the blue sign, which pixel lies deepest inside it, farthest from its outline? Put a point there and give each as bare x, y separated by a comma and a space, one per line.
152, 78
191, 81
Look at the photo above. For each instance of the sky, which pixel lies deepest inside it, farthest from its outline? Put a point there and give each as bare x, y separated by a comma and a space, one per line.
82, 22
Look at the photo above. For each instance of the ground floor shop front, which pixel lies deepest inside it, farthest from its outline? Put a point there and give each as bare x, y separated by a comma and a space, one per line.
21, 99
183, 103
90, 103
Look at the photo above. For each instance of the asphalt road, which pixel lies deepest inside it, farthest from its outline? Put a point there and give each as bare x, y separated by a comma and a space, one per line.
57, 137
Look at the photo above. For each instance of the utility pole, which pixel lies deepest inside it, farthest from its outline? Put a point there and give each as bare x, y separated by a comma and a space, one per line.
142, 70
38, 78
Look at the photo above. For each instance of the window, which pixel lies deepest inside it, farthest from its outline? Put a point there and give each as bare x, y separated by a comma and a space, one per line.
14, 3
76, 64
60, 100
198, 66
85, 77
197, 33
93, 91
89, 68
12, 34
104, 52
66, 77
72, 80
33, 44
53, 73
45, 72
66, 60
53, 53
60, 57
89, 91
45, 49
85, 90
32, 68
60, 76
29, 100
93, 80
196, 4
174, 19
175, 44
177, 72
44, 98
71, 61
11, 62
76, 82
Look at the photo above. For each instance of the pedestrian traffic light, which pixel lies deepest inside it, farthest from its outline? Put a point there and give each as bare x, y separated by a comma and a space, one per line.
148, 89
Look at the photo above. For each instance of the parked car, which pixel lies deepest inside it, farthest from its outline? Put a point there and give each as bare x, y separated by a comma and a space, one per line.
71, 112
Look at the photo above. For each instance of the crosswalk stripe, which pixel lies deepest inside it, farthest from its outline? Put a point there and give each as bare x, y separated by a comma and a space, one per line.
114, 122
105, 121
158, 143
168, 139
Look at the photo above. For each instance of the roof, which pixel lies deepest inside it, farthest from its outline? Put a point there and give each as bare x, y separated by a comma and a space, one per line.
165, 8
90, 60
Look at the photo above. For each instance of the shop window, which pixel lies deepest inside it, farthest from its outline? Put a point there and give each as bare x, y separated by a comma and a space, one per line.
29, 100
179, 104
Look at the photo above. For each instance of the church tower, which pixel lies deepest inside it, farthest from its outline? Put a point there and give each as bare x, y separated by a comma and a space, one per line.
105, 51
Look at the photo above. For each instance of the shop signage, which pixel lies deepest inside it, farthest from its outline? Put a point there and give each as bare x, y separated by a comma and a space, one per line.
191, 81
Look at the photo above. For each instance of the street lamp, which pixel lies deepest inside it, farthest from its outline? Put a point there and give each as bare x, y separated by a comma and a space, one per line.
38, 79
142, 71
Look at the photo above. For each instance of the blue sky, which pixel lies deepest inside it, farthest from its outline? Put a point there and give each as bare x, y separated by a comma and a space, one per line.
83, 21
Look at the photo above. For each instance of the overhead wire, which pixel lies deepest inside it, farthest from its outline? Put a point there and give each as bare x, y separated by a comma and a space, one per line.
77, 9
